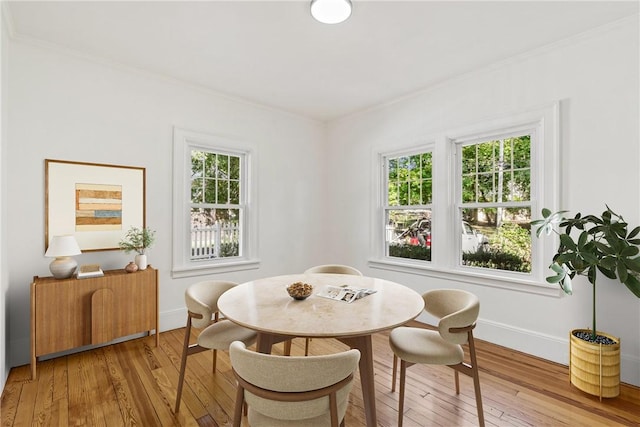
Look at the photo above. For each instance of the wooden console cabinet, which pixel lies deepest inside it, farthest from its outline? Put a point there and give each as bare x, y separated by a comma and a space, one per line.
70, 313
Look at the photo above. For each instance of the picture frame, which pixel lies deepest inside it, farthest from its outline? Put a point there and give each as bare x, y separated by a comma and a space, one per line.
96, 203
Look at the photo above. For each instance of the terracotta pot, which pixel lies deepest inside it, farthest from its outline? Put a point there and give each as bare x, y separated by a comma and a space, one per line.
131, 267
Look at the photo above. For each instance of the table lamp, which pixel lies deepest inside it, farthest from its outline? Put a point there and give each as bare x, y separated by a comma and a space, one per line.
62, 248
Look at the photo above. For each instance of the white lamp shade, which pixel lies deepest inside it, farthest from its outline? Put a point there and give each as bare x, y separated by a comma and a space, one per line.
331, 11
63, 246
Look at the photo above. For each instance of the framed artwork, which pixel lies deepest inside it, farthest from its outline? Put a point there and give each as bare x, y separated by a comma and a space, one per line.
96, 203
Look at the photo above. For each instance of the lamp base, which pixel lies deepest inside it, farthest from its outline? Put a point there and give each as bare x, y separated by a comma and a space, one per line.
63, 267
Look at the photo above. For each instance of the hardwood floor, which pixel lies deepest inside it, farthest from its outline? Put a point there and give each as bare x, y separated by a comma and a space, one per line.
134, 383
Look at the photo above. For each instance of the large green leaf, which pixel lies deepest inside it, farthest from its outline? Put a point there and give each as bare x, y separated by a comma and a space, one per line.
633, 284
567, 241
622, 272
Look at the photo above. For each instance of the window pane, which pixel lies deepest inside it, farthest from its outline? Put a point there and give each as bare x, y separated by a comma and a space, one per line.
427, 195
215, 233
223, 191
427, 166
409, 180
222, 166
234, 192
469, 159
486, 156
469, 189
408, 234
209, 191
403, 194
414, 193
521, 185
197, 190
197, 164
485, 190
393, 169
209, 165
521, 151
497, 238
234, 167
414, 168
393, 194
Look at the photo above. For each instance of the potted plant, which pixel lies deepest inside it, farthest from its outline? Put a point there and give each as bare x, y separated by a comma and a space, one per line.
598, 244
138, 240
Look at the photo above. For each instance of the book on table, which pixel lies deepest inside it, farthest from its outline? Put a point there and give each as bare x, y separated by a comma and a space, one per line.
89, 270
344, 293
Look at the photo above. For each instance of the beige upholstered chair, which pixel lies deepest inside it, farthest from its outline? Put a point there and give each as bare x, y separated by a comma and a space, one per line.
202, 304
283, 391
457, 311
330, 269
334, 269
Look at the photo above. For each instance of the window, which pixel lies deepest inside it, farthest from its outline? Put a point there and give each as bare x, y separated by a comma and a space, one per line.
495, 202
213, 225
482, 184
408, 196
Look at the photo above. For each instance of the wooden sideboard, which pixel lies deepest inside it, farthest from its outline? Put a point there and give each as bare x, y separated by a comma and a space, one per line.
71, 313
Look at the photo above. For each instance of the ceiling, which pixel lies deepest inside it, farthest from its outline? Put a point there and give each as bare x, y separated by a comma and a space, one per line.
274, 53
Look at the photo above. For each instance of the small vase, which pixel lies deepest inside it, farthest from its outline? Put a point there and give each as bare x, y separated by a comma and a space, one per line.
141, 261
131, 267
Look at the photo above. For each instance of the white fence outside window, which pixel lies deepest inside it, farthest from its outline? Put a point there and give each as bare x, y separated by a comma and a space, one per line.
206, 242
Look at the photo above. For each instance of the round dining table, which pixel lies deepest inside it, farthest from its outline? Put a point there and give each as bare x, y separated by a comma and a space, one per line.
265, 306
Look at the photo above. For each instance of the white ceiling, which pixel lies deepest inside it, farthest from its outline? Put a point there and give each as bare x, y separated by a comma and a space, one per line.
274, 53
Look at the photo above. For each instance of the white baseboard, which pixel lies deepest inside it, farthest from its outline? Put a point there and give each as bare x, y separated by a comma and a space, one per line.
548, 347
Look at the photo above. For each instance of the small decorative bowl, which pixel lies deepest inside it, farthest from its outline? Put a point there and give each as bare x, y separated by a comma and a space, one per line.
299, 291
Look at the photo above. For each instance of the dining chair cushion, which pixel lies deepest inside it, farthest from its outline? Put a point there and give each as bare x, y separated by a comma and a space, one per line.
293, 374
410, 344
202, 297
220, 335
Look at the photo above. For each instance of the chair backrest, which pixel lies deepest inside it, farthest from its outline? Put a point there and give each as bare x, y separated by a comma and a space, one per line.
202, 298
334, 269
297, 374
455, 308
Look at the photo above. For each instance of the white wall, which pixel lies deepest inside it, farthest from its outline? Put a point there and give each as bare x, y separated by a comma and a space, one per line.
596, 78
4, 282
71, 108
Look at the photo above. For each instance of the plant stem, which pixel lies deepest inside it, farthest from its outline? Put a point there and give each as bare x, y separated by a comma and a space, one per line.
593, 333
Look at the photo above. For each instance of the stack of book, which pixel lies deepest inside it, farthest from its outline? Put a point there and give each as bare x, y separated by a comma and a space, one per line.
89, 270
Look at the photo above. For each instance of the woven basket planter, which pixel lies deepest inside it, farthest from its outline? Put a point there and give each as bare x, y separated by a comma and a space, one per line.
595, 368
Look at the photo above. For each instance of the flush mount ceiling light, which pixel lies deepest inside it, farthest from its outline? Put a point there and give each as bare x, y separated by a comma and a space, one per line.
331, 11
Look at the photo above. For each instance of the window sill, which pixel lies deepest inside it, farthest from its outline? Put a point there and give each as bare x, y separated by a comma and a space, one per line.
203, 270
472, 276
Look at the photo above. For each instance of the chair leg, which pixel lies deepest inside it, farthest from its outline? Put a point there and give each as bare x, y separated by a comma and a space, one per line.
306, 346
403, 375
476, 379
215, 360
240, 405
394, 373
183, 363
457, 381
287, 348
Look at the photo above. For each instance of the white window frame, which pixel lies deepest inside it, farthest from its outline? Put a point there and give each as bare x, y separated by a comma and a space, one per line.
545, 192
184, 141
418, 150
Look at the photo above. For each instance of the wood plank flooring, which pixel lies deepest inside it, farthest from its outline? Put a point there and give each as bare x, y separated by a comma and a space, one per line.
134, 383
